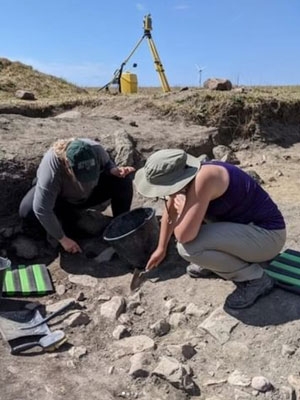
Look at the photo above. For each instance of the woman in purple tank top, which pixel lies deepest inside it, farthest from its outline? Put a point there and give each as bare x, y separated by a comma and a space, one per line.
224, 222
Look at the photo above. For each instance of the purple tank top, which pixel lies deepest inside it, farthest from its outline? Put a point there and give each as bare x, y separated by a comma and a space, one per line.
244, 201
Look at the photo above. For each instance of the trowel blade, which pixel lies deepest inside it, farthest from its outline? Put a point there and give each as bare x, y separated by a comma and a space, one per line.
138, 279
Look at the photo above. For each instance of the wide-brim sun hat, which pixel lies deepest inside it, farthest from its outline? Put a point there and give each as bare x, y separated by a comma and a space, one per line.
166, 172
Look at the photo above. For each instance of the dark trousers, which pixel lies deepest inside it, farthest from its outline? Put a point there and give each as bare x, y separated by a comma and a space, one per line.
118, 190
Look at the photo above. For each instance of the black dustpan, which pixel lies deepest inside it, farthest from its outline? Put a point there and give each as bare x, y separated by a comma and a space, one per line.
49, 342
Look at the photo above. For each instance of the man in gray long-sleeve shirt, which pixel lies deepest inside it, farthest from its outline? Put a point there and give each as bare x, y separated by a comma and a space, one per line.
75, 174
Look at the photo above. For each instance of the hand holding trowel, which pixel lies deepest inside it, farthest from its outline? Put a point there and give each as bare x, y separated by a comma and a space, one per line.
141, 276
138, 279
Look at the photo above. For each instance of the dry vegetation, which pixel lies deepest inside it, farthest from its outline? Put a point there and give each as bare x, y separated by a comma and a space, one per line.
235, 113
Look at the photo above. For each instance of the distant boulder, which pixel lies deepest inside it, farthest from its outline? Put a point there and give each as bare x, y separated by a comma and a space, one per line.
24, 95
217, 84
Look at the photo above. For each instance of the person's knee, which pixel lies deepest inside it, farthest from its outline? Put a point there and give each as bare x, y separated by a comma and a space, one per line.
26, 205
189, 252
24, 210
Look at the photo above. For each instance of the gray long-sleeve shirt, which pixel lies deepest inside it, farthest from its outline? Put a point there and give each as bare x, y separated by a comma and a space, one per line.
53, 181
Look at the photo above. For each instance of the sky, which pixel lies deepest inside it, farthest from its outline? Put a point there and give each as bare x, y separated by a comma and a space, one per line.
250, 42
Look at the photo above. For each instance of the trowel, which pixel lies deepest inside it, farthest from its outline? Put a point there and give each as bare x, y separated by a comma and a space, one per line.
138, 279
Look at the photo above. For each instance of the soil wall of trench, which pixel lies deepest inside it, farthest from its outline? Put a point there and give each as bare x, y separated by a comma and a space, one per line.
26, 136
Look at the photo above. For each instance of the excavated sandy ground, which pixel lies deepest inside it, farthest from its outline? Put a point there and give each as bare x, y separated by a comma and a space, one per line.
263, 340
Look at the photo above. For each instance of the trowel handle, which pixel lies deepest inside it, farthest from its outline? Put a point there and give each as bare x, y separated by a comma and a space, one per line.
54, 314
22, 347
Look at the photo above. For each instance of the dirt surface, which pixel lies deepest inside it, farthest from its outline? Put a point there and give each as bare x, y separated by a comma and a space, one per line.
230, 348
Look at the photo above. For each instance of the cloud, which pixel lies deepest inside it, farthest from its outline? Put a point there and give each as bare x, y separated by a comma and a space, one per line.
140, 7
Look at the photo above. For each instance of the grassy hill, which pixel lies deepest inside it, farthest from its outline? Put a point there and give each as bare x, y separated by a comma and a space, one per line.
15, 76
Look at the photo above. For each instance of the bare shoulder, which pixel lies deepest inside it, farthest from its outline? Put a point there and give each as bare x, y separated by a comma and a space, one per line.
214, 178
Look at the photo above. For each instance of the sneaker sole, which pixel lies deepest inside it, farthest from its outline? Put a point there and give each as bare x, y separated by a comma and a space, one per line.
207, 274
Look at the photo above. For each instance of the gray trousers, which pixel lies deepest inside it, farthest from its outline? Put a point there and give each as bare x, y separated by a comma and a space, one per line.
233, 251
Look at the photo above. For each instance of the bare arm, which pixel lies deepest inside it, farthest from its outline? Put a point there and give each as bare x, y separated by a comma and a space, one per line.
167, 224
210, 183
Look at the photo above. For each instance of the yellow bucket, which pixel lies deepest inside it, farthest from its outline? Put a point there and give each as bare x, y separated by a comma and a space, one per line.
128, 83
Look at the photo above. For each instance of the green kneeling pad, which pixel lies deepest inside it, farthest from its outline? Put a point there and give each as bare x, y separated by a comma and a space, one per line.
285, 269
27, 280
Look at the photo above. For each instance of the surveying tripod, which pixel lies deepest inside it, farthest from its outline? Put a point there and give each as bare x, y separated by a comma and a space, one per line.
158, 65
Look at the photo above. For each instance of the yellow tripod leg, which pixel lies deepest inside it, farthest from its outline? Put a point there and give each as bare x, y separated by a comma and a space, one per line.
158, 66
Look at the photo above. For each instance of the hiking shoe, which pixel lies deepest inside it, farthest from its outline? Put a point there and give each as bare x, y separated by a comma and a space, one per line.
195, 271
246, 293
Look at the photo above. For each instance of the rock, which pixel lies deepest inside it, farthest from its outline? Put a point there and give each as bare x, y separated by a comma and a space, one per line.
124, 148
237, 378
136, 344
288, 350
139, 310
24, 95
140, 365
170, 305
180, 308
217, 84
161, 327
83, 280
196, 311
219, 325
77, 319
132, 305
111, 370
135, 297
294, 381
287, 393
224, 154
188, 351
181, 351
120, 332
78, 351
104, 297
80, 296
261, 384
278, 173
125, 319
177, 319
113, 308
60, 290
175, 373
